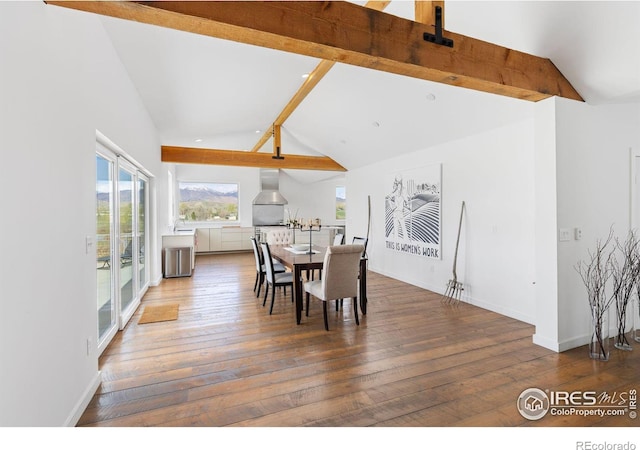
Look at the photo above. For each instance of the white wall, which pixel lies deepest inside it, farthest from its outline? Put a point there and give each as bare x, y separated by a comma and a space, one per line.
493, 173
60, 81
313, 200
593, 145
546, 230
567, 167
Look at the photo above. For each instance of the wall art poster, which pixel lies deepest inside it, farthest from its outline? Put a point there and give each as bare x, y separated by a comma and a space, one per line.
412, 211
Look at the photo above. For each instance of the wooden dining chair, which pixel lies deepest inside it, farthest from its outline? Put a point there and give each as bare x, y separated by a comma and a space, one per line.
273, 278
339, 278
261, 269
361, 241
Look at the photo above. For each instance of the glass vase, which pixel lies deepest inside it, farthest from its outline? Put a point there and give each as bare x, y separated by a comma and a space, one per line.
599, 342
620, 340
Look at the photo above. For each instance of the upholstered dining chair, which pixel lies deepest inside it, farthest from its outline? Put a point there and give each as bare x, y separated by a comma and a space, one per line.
273, 278
280, 236
260, 267
339, 278
361, 241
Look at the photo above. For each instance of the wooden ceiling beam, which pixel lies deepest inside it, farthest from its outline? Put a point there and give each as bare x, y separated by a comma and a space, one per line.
190, 155
307, 86
277, 140
349, 33
424, 11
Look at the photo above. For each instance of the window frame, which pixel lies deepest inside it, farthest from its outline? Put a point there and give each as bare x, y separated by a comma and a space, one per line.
344, 190
188, 221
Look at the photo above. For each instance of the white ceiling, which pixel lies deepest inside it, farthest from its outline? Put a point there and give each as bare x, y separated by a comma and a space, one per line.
222, 92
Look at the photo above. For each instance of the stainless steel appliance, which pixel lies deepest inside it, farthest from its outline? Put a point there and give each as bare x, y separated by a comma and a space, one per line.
266, 215
268, 206
177, 262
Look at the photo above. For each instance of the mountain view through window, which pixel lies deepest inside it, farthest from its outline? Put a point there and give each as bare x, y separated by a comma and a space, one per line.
208, 202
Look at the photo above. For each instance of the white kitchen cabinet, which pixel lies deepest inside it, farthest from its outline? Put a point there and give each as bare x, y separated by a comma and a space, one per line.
214, 240
202, 240
247, 234
208, 240
225, 239
231, 239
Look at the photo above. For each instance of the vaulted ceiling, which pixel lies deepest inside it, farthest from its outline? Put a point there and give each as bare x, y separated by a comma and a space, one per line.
213, 93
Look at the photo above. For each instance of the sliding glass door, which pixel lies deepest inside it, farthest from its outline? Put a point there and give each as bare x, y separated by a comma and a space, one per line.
142, 200
105, 273
132, 213
122, 211
126, 237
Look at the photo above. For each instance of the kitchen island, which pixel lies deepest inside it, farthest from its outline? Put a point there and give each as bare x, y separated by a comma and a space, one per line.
323, 237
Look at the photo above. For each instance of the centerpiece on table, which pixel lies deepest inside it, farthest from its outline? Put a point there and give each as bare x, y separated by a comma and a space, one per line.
309, 225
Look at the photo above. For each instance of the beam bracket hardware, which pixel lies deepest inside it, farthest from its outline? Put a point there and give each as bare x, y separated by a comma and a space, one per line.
438, 38
277, 155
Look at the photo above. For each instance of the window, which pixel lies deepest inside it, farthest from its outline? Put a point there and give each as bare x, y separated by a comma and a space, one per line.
208, 202
341, 203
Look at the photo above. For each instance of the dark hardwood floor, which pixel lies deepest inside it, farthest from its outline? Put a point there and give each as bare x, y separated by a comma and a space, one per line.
412, 362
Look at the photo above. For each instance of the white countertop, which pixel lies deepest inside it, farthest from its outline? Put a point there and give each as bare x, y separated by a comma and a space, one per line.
182, 232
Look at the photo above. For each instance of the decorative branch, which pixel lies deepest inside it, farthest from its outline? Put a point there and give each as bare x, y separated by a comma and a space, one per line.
291, 220
595, 274
625, 279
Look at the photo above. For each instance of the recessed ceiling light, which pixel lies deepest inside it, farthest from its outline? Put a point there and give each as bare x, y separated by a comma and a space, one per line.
376, 124
198, 140
430, 97
342, 141
257, 131
305, 75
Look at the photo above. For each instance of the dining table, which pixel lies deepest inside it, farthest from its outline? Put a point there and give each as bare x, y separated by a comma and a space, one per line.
304, 263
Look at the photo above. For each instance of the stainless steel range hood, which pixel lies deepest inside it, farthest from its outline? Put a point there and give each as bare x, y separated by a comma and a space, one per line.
270, 183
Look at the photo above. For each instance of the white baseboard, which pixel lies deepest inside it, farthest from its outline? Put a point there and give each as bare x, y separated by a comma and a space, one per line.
564, 345
568, 344
579, 341
546, 343
157, 281
82, 404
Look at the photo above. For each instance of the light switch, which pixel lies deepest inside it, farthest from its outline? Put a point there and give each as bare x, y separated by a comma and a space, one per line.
88, 244
565, 234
